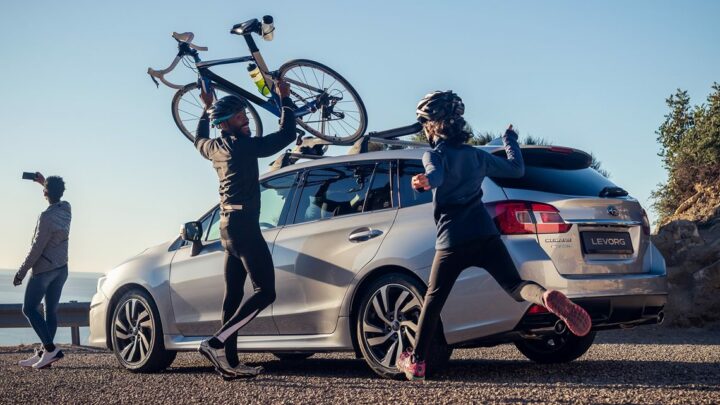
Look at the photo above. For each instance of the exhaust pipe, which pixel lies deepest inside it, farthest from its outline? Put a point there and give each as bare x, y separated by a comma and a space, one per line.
660, 317
560, 327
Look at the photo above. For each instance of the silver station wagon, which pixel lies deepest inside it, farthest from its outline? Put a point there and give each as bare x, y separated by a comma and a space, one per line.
352, 244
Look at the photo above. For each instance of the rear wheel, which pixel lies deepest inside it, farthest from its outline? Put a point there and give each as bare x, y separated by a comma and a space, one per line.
556, 348
137, 337
387, 325
340, 116
187, 108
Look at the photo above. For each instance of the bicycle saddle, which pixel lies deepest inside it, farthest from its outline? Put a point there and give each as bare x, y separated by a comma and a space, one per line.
248, 27
184, 37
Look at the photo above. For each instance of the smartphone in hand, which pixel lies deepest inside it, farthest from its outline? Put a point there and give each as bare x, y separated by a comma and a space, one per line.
29, 176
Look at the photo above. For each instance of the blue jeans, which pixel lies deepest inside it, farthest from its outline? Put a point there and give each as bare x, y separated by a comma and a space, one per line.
46, 285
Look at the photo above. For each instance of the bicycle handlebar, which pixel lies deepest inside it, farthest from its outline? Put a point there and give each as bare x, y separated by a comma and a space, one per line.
183, 38
187, 37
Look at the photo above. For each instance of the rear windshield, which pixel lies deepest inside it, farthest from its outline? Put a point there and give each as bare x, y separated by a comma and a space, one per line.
583, 182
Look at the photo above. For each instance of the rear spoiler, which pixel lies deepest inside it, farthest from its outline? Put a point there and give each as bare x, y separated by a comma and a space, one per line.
556, 157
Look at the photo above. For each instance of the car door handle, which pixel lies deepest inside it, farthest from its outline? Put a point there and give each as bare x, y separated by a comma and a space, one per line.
364, 234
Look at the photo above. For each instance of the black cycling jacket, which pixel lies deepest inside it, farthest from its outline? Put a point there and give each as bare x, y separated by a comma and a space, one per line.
456, 173
235, 158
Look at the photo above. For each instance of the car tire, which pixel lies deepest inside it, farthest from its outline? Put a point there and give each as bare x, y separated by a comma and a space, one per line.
292, 357
136, 332
556, 348
381, 342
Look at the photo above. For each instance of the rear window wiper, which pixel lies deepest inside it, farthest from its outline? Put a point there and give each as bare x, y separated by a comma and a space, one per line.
613, 192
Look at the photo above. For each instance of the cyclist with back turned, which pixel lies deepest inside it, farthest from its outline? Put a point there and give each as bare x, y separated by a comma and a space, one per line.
466, 235
235, 158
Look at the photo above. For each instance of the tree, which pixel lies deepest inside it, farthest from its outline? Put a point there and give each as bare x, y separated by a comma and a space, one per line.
690, 149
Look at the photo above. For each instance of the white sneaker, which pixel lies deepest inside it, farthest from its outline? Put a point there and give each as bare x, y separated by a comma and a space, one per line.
48, 358
32, 360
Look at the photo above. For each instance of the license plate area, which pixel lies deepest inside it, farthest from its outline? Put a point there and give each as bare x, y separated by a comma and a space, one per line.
606, 242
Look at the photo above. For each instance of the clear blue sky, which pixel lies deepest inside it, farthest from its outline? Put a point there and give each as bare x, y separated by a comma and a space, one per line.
77, 102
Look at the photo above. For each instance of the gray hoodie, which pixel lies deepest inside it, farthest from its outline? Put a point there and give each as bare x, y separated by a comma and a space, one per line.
50, 244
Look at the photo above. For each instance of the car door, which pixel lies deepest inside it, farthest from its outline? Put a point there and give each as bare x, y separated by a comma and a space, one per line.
341, 216
197, 283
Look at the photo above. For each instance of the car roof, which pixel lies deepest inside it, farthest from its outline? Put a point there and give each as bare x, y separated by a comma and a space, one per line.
390, 154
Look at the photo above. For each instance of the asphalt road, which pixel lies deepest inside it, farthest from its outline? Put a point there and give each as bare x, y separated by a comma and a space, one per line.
645, 365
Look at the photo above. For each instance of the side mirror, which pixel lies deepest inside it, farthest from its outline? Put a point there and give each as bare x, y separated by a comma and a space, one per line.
192, 232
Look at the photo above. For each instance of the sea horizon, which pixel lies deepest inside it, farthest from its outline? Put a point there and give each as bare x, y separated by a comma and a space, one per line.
80, 287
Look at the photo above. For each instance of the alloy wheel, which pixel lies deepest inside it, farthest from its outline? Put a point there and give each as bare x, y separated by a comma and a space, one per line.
389, 323
134, 331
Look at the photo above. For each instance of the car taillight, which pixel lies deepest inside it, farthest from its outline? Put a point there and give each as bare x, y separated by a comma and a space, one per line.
645, 223
537, 309
523, 217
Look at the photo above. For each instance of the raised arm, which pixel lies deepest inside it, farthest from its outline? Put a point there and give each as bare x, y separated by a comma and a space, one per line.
271, 144
202, 135
513, 166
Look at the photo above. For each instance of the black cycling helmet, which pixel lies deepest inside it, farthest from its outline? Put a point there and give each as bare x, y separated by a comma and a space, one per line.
439, 105
225, 108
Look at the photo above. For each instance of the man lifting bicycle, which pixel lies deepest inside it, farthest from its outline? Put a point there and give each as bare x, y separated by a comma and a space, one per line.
235, 158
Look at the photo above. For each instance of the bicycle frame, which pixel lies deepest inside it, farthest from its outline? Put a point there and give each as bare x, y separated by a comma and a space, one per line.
271, 104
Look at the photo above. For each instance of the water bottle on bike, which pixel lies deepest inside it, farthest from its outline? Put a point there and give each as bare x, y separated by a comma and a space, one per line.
257, 77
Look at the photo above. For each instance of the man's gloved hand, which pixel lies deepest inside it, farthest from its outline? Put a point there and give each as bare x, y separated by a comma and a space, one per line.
17, 280
282, 88
511, 132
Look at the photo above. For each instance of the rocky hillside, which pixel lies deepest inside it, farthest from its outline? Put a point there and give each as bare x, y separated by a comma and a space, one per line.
690, 242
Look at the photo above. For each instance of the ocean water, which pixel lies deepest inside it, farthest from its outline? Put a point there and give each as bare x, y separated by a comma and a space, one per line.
79, 287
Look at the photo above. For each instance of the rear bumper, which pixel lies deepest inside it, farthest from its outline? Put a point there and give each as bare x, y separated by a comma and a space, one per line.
606, 313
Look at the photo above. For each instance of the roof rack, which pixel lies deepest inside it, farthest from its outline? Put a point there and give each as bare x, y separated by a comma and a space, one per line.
315, 148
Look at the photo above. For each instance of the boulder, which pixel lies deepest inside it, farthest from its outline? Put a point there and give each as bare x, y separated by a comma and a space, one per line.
675, 240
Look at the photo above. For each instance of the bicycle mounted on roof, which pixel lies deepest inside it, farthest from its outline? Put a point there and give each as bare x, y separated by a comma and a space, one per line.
328, 107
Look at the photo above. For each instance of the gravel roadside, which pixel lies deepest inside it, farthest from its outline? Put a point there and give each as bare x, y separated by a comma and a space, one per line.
645, 365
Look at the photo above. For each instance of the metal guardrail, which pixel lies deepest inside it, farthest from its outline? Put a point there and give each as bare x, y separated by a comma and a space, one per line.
71, 314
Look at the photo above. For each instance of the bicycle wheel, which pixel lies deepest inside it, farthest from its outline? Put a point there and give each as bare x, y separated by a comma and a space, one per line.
187, 109
340, 117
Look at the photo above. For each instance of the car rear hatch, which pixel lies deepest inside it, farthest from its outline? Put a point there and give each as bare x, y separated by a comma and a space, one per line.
585, 223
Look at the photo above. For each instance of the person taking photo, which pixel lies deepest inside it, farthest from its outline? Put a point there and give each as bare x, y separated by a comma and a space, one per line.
48, 258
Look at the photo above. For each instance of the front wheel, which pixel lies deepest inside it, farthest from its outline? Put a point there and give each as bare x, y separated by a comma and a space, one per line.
187, 108
137, 337
555, 348
338, 114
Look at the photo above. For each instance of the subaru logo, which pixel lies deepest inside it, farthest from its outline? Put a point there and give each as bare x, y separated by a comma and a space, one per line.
613, 211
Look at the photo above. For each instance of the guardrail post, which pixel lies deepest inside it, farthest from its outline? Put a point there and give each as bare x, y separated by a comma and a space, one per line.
75, 332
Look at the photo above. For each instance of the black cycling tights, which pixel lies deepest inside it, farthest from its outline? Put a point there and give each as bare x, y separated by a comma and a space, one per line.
489, 253
246, 253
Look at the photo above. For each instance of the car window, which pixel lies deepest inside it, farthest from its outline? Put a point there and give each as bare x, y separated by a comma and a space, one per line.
334, 191
274, 198
213, 231
581, 182
380, 194
408, 195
